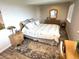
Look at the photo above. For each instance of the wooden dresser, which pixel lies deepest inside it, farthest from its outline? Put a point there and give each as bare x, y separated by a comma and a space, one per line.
52, 21
16, 38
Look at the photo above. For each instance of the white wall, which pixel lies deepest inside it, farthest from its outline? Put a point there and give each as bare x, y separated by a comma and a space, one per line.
12, 14
61, 7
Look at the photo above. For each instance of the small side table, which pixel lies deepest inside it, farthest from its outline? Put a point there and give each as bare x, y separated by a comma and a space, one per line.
16, 38
63, 25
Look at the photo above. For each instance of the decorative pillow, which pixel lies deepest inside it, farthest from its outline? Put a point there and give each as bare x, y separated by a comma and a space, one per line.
37, 22
30, 25
25, 22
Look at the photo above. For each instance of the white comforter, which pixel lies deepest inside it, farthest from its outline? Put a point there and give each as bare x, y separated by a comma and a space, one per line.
45, 31
4, 39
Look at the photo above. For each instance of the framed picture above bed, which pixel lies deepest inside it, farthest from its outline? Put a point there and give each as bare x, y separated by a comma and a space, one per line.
53, 13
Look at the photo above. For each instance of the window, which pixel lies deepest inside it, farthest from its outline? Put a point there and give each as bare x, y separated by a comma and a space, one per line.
70, 13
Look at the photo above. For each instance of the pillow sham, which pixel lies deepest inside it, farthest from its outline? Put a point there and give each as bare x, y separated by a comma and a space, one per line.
30, 25
25, 22
37, 22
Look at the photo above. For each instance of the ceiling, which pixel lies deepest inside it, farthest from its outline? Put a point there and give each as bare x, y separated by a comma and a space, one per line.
35, 2
42, 2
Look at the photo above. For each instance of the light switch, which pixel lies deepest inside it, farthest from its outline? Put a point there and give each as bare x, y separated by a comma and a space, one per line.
78, 31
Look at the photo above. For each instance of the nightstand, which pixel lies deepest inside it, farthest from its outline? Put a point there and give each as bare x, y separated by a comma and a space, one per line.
63, 25
16, 38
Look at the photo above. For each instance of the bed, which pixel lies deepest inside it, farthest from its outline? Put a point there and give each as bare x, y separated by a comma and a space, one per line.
35, 30
4, 39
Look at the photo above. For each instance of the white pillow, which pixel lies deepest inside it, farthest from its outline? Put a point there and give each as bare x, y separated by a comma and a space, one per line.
31, 25
37, 22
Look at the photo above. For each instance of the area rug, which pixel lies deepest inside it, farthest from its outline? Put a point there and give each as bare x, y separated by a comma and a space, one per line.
38, 50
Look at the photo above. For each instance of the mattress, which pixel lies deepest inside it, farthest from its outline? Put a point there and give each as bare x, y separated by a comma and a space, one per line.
44, 31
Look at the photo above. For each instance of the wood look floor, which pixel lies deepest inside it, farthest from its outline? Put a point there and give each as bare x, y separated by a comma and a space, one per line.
12, 53
9, 54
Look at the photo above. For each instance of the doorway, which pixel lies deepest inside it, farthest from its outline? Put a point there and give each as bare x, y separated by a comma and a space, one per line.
1, 22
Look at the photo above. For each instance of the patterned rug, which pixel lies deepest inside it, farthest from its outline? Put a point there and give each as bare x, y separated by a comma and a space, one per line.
37, 50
